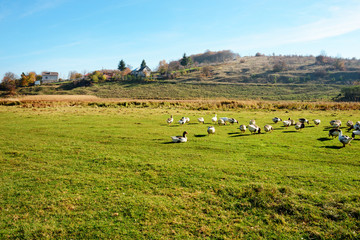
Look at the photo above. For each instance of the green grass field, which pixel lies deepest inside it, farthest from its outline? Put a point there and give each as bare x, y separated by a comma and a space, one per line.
112, 173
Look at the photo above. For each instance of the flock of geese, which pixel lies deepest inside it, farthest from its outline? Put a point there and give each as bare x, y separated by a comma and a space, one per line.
253, 128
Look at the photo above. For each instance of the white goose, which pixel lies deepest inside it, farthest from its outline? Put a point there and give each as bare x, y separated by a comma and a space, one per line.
268, 128
287, 123
242, 128
180, 139
356, 132
299, 126
350, 124
252, 122
170, 120
335, 123
344, 139
254, 128
233, 120
211, 130
182, 121
214, 119
317, 121
201, 120
221, 122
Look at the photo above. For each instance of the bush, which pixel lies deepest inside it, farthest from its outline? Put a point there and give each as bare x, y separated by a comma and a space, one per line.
280, 66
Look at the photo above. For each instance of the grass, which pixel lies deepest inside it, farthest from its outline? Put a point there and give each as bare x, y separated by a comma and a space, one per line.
85, 172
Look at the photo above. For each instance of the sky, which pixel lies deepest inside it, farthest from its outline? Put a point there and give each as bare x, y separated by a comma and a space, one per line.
84, 36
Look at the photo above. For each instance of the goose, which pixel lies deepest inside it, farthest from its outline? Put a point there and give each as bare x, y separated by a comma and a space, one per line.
303, 120
182, 121
334, 132
180, 139
356, 132
299, 126
349, 123
187, 120
252, 122
221, 122
276, 119
356, 126
335, 123
317, 121
233, 120
286, 123
170, 120
292, 121
214, 119
211, 130
242, 128
268, 128
344, 139
201, 120
254, 128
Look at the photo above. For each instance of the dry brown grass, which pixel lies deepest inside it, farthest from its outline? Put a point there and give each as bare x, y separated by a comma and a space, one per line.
81, 100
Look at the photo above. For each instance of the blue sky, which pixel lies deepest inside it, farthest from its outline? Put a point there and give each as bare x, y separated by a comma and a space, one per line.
77, 35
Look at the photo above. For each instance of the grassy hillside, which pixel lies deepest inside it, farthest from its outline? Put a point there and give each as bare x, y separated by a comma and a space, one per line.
81, 172
244, 78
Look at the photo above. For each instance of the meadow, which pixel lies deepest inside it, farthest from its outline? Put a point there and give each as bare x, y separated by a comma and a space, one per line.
90, 172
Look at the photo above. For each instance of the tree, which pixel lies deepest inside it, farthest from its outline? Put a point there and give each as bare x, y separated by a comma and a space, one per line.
27, 79
121, 65
163, 67
143, 64
186, 61
9, 83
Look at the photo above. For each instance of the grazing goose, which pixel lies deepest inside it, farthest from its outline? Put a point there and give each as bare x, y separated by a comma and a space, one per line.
254, 128
350, 124
299, 126
276, 119
334, 132
356, 132
357, 125
242, 128
292, 121
344, 139
252, 122
233, 120
268, 128
187, 120
221, 122
317, 121
170, 120
201, 120
303, 120
286, 123
335, 123
211, 130
214, 119
180, 139
182, 121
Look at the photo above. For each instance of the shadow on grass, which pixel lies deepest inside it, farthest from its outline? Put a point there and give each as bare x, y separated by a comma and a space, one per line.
200, 135
242, 135
233, 133
290, 131
333, 147
323, 139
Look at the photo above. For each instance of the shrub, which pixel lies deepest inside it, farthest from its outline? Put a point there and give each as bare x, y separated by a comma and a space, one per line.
280, 66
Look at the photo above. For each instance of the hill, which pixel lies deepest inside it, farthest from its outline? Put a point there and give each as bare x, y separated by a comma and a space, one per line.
257, 77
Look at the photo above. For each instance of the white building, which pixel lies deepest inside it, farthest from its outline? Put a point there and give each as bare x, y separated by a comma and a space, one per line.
48, 77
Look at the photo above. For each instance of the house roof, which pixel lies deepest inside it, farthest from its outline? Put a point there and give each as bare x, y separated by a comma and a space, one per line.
50, 74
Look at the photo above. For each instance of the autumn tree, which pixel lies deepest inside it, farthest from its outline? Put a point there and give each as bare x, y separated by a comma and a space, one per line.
9, 83
163, 67
121, 65
27, 79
